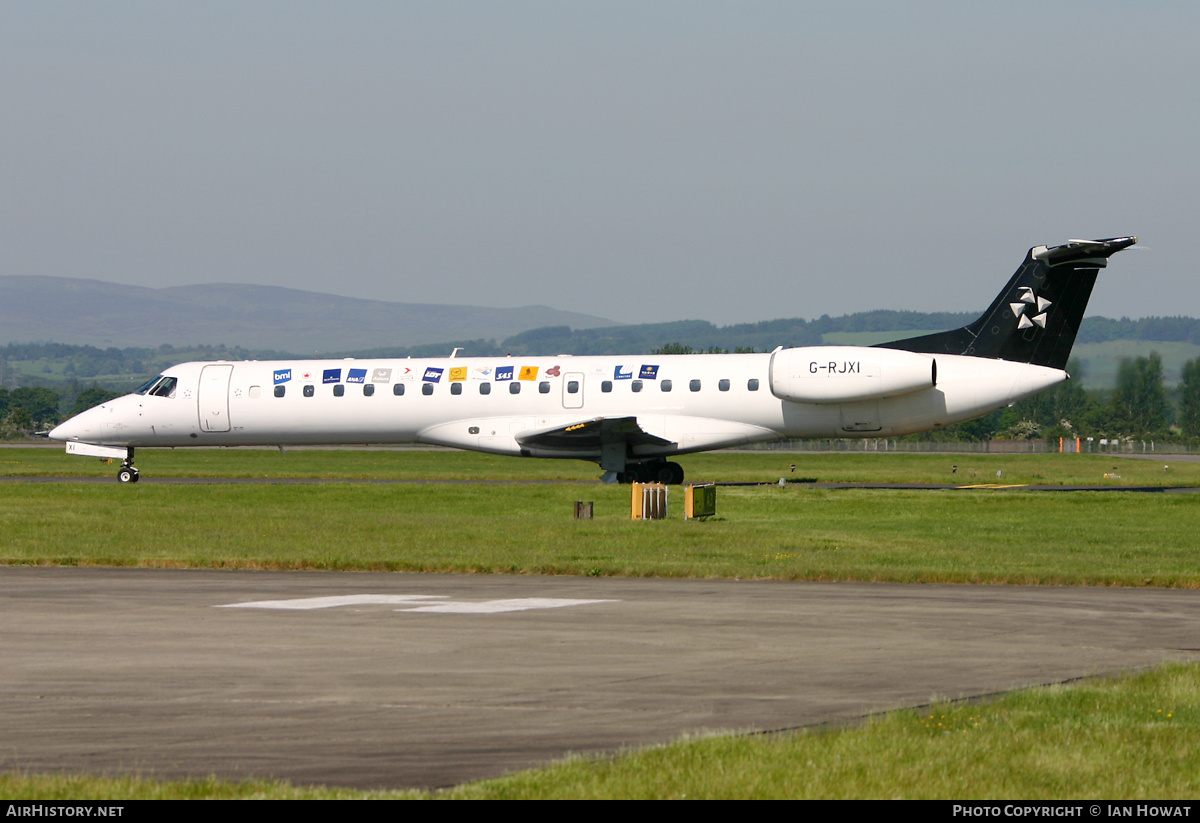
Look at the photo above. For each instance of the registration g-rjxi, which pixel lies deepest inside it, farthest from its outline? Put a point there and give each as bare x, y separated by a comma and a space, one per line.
629, 414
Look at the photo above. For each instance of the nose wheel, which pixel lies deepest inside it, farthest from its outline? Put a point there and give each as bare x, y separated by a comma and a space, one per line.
127, 473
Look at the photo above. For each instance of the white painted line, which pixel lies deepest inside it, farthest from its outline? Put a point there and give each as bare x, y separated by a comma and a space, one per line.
520, 604
307, 603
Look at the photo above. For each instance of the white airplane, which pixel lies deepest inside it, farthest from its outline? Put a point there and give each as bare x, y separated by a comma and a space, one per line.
626, 413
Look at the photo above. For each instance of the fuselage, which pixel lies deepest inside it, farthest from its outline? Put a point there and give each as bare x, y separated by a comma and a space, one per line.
627, 413
688, 402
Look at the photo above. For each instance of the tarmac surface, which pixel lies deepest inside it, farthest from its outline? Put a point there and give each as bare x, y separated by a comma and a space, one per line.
401, 680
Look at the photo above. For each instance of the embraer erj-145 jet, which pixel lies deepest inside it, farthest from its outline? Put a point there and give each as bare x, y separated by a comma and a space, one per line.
628, 414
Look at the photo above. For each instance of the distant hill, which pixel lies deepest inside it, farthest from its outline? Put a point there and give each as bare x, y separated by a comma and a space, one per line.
95, 313
128, 331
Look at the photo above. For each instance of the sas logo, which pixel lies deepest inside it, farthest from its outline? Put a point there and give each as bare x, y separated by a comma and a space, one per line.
282, 376
332, 376
432, 375
504, 373
458, 373
356, 376
529, 373
648, 372
1030, 304
381, 376
622, 373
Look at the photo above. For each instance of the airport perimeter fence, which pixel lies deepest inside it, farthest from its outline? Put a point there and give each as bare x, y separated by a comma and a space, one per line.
1069, 446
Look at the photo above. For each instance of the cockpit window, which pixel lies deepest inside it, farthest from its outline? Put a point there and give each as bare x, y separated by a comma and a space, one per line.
161, 386
165, 387
145, 387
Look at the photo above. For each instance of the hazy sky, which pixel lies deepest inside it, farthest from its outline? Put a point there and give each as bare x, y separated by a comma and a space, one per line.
641, 160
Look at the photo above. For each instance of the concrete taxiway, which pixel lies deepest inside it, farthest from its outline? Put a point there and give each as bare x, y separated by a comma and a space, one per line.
397, 680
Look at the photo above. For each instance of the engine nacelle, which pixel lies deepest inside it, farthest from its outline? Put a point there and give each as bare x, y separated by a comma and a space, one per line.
845, 374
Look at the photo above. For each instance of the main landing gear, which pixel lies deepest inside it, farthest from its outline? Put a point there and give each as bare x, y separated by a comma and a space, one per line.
127, 473
669, 474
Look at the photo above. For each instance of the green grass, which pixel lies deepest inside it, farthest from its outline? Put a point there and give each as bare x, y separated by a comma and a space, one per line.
1128, 738
791, 533
1132, 737
745, 466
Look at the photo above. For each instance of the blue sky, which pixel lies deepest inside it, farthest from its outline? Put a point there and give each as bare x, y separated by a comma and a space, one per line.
637, 160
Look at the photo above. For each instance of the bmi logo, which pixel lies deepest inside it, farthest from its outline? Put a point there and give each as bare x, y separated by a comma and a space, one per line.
1030, 310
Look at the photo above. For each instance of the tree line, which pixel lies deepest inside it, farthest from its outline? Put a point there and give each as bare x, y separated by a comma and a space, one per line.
1138, 407
37, 408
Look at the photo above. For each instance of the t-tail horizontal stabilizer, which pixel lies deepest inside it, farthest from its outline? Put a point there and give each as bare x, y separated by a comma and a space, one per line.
1037, 315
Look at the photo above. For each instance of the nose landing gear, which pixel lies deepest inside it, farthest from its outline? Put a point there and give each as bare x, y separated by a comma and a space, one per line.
127, 473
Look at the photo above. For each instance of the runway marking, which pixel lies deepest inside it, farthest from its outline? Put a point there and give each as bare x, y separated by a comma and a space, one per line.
995, 486
307, 603
417, 603
519, 604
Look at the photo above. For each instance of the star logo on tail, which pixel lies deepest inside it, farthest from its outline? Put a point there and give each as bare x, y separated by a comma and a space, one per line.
1030, 310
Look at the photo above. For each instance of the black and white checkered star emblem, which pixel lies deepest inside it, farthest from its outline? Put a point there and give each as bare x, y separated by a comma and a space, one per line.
1030, 310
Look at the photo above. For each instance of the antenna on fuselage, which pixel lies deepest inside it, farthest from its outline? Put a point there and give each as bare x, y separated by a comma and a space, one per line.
457, 349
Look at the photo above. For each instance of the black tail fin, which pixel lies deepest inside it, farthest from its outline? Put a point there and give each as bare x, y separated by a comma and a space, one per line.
1037, 315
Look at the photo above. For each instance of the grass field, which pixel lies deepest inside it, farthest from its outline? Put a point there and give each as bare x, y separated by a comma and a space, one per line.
399, 463
789, 533
1133, 737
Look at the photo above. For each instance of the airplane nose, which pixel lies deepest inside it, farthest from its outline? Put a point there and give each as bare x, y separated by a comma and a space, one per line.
77, 428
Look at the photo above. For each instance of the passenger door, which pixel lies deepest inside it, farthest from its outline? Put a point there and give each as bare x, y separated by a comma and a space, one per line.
213, 397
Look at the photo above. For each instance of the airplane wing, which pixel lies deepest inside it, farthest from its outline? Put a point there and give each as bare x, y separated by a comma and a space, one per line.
591, 434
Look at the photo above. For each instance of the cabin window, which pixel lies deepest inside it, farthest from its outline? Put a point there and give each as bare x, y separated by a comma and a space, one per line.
636, 385
544, 387
280, 391
426, 388
572, 387
485, 388
694, 385
665, 385
398, 389
456, 388
723, 384
339, 390
369, 390
310, 390
514, 388
606, 386
752, 384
